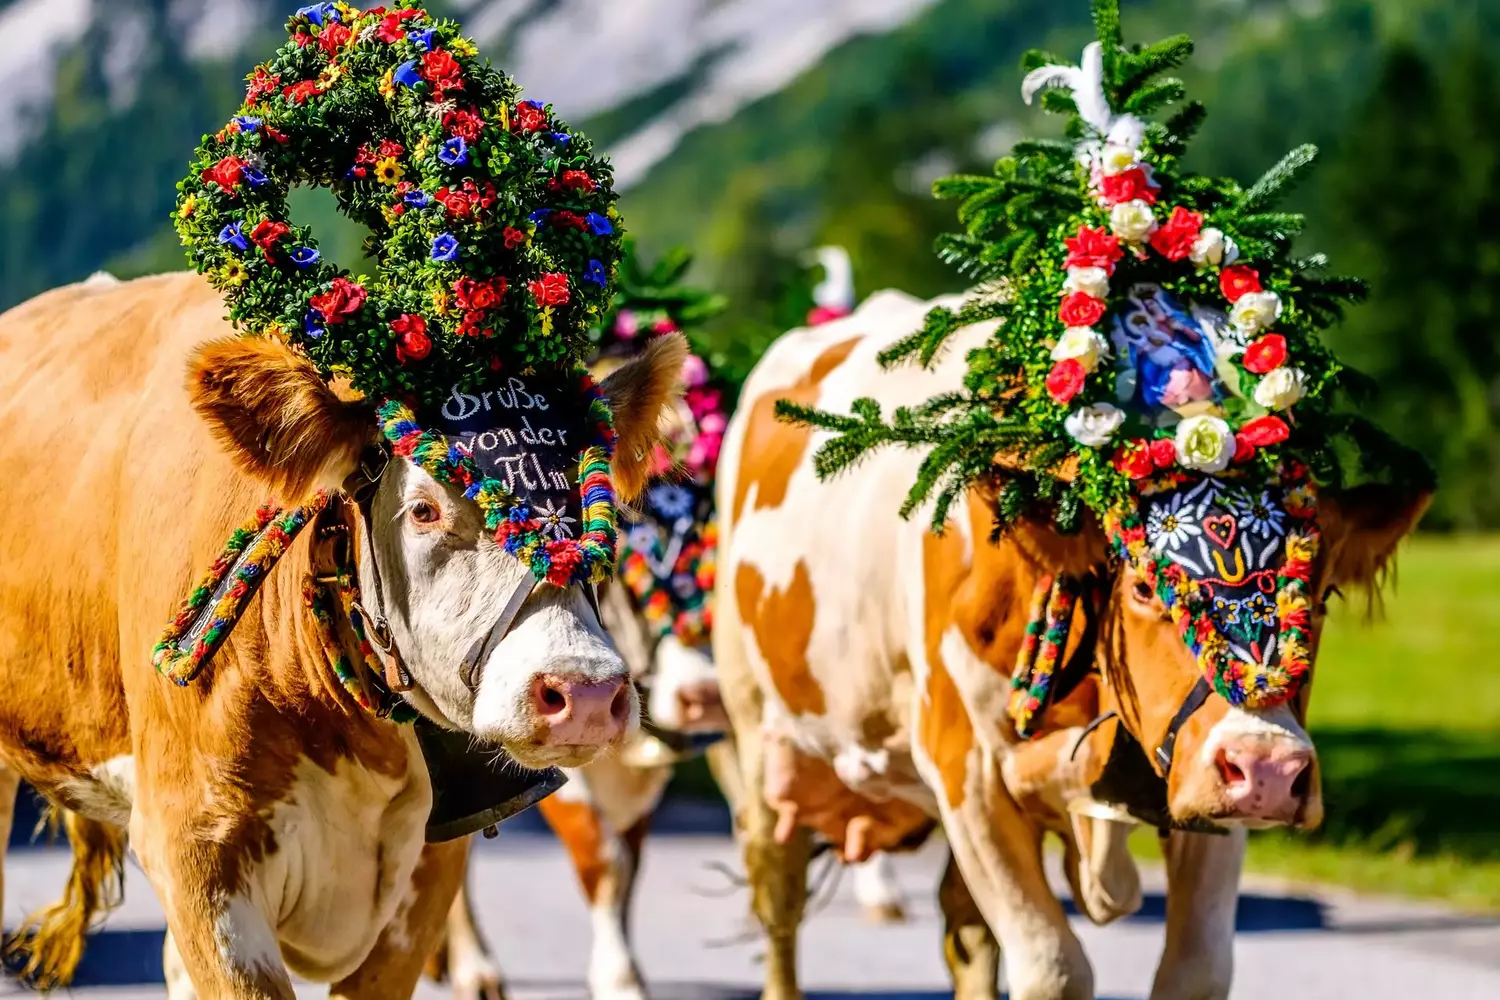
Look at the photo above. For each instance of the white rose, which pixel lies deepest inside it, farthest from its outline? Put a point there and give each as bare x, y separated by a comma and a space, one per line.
1094, 425
1117, 158
1281, 388
1083, 345
1132, 221
1213, 248
1093, 281
1204, 443
1255, 311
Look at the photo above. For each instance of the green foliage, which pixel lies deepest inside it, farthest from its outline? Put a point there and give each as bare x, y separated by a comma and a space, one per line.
653, 295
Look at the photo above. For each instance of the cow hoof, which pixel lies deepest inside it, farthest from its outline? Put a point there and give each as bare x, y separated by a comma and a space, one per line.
885, 913
475, 977
487, 990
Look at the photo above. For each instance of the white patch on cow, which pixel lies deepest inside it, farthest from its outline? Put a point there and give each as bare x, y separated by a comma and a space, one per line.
612, 972
621, 794
349, 835
985, 690
1276, 724
876, 886
174, 971
108, 795
677, 666
245, 939
470, 970
100, 279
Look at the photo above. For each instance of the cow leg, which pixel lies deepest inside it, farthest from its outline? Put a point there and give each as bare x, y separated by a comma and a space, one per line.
463, 958
877, 891
10, 785
969, 948
394, 965
179, 983
1203, 881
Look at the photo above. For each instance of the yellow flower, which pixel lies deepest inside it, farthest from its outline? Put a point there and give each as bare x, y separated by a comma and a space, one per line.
422, 147
389, 171
463, 47
388, 84
389, 213
505, 116
440, 302
189, 206
233, 273
330, 75
1300, 547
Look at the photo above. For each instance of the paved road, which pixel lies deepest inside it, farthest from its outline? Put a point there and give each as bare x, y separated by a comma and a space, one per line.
693, 944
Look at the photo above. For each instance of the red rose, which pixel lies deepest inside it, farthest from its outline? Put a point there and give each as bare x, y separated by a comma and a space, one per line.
1265, 353
226, 173
471, 294
1065, 379
280, 137
1243, 449
456, 202
412, 342
299, 93
1127, 185
266, 233
566, 219
1174, 238
439, 64
391, 29
1262, 432
530, 117
578, 180
483, 197
513, 237
1134, 460
1238, 281
333, 38
550, 289
472, 325
1093, 248
340, 302
262, 84
390, 147
1163, 453
1080, 309
465, 124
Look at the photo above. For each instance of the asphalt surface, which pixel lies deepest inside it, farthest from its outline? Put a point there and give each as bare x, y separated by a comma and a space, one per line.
695, 942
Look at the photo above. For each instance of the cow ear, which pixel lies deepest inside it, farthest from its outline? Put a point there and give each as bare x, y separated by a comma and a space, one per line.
270, 409
639, 392
1363, 525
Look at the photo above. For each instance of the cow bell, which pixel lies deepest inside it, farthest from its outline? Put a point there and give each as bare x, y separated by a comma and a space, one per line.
476, 788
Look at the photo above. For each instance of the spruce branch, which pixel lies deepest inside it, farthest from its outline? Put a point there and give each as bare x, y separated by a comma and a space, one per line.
1169, 53
1277, 181
1107, 29
1155, 96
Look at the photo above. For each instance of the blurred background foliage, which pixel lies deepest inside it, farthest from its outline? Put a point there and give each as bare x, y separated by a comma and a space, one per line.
1400, 94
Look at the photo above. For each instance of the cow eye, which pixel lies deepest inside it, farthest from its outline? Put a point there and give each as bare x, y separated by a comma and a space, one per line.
1142, 592
424, 512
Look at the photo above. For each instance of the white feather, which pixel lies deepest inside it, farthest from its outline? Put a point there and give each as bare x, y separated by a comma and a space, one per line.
1085, 83
1048, 76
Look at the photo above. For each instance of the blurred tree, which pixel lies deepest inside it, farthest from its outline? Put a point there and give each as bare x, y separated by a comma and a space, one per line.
1411, 201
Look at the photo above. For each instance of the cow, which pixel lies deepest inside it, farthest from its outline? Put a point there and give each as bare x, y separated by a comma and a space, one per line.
602, 814
865, 663
280, 822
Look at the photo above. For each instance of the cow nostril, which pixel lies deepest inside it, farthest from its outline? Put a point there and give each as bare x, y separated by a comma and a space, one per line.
1231, 772
552, 700
1302, 784
619, 708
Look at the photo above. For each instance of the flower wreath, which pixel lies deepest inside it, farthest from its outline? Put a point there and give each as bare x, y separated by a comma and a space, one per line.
492, 224
675, 598
1103, 233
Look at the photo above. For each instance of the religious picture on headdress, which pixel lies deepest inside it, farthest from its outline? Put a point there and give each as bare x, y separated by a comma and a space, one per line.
1169, 352
527, 433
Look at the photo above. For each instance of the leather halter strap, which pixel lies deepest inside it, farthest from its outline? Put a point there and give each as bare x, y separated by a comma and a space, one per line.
1194, 701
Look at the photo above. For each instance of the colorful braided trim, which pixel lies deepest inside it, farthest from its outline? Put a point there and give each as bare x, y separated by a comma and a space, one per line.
1046, 638
689, 618
590, 558
351, 678
1238, 681
198, 630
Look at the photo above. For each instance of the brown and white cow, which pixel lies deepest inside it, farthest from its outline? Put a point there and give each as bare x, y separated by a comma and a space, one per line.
280, 823
865, 662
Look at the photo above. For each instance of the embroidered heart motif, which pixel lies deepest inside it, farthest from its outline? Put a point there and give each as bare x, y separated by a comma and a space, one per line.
1222, 529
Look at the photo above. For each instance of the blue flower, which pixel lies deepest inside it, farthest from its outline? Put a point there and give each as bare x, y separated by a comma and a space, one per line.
454, 152
255, 176
232, 235
406, 74
596, 273
422, 38
312, 324
598, 224
318, 11
672, 500
540, 215
247, 123
561, 138
416, 199
305, 257
445, 247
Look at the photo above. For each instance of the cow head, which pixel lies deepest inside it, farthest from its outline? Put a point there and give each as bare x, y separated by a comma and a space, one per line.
551, 689
1229, 763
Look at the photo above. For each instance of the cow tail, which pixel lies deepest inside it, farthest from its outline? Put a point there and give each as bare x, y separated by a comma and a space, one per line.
47, 948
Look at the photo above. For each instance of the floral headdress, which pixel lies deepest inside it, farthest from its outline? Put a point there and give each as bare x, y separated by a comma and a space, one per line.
1157, 363
494, 232
669, 549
